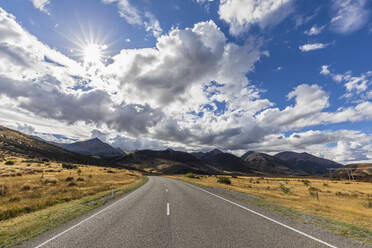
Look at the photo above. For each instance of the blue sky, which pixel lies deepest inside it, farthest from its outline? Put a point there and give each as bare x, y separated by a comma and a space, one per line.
191, 74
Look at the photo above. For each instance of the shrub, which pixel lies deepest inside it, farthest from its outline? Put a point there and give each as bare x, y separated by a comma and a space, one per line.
285, 189
306, 182
14, 199
69, 179
110, 171
25, 187
69, 166
191, 175
369, 203
314, 189
71, 184
224, 180
80, 179
325, 185
79, 171
9, 162
50, 181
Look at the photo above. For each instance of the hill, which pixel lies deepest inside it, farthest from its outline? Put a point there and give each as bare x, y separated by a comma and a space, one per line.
92, 147
305, 162
226, 162
167, 162
266, 163
14, 143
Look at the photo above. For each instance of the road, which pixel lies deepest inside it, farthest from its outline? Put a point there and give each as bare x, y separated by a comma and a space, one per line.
170, 213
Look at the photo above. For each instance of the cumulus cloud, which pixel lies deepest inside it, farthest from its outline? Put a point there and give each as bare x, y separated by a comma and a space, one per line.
349, 15
312, 47
241, 14
191, 90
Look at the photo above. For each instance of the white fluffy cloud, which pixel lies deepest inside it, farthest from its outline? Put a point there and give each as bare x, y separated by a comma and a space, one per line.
191, 90
241, 14
312, 47
349, 15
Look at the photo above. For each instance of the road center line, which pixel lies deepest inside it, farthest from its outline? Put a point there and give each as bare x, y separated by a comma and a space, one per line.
168, 209
166, 190
267, 218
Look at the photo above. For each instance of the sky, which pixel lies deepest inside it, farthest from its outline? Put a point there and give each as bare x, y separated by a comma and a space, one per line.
192, 75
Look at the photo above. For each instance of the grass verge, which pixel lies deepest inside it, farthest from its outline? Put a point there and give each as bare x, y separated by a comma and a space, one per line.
19, 229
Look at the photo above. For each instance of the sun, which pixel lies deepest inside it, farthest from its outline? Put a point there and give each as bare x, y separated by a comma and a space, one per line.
92, 53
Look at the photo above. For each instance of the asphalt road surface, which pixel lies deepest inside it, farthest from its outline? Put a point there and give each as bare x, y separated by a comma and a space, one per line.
170, 213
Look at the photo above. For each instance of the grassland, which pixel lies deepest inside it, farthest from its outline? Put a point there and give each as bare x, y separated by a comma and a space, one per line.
337, 201
36, 196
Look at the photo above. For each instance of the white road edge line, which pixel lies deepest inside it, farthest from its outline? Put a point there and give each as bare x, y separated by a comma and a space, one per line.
267, 218
90, 217
168, 209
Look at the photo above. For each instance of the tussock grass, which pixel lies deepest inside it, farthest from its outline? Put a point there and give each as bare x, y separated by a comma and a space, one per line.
349, 203
25, 188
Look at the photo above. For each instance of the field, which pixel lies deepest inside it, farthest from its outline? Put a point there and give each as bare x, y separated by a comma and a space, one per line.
340, 201
30, 189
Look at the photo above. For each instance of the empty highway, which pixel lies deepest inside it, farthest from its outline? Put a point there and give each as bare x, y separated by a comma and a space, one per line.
170, 213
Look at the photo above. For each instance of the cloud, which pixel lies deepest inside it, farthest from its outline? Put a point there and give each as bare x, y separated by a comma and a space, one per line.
356, 86
153, 25
134, 16
314, 30
312, 47
137, 102
41, 5
349, 15
241, 14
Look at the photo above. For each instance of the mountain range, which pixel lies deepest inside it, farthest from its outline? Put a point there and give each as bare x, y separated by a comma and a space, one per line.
95, 151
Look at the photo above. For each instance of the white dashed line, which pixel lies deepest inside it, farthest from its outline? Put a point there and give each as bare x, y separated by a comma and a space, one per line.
168, 209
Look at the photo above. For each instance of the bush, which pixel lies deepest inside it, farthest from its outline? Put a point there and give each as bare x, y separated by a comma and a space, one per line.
69, 179
314, 189
72, 184
191, 175
306, 182
325, 185
285, 189
224, 180
69, 166
25, 187
9, 162
50, 181
80, 179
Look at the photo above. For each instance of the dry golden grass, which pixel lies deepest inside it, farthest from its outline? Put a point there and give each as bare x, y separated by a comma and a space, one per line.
338, 200
28, 186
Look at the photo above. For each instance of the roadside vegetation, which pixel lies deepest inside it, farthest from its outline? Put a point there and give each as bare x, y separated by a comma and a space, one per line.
38, 195
340, 201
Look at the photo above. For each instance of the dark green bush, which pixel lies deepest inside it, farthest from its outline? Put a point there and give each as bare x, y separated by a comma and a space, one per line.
224, 180
285, 189
9, 162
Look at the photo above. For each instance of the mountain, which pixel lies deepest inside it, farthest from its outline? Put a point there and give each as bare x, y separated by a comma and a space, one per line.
266, 163
245, 155
198, 155
226, 161
167, 162
14, 143
92, 147
306, 162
